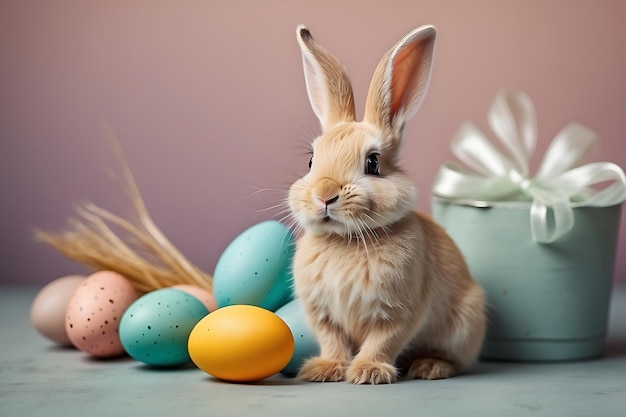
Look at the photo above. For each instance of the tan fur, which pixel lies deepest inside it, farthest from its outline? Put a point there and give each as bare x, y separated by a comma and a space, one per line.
384, 288
335, 87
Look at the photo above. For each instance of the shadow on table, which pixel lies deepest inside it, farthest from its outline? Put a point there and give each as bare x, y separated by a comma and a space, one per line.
106, 360
274, 381
177, 368
61, 349
615, 348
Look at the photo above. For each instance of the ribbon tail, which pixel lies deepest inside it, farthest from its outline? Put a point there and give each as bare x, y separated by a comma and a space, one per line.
550, 216
456, 183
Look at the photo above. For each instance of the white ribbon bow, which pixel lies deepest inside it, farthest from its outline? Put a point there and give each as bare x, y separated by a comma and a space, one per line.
559, 184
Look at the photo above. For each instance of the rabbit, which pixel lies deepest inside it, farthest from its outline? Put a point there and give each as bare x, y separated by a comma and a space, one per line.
385, 290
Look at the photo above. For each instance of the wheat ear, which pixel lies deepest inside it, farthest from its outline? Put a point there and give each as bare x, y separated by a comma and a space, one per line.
143, 254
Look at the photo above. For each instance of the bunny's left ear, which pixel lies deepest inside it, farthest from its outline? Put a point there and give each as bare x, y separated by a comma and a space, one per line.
401, 80
327, 84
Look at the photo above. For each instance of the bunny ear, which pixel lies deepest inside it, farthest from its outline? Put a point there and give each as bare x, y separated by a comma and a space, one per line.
327, 83
401, 80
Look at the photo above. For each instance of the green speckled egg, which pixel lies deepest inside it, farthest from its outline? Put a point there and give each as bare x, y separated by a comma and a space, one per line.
306, 345
255, 269
155, 328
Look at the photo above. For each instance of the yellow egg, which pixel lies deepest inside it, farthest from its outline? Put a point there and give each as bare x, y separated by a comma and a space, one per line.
241, 343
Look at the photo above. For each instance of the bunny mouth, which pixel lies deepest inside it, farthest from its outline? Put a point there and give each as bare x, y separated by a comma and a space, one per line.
326, 216
327, 220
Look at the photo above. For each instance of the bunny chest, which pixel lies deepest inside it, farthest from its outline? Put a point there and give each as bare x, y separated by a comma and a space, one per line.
345, 283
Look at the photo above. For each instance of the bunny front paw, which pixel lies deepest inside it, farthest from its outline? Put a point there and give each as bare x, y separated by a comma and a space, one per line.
369, 372
323, 370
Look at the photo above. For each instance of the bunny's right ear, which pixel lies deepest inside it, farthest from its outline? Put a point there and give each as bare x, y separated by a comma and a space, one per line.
327, 84
401, 80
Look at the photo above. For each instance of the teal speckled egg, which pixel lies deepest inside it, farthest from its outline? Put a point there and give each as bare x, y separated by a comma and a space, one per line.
155, 328
255, 269
306, 345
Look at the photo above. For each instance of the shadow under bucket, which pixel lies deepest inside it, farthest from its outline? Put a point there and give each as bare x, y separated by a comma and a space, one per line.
546, 302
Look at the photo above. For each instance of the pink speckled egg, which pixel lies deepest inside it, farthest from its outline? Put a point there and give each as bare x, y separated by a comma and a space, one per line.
94, 312
204, 296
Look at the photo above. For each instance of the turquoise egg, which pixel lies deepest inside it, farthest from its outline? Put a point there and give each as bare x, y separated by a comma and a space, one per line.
255, 268
155, 328
306, 345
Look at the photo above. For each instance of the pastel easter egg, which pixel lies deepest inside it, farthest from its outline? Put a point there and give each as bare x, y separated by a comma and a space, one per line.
255, 269
155, 328
241, 343
306, 345
206, 297
47, 312
95, 310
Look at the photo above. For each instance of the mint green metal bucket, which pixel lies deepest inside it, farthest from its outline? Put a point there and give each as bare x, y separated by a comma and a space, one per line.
546, 302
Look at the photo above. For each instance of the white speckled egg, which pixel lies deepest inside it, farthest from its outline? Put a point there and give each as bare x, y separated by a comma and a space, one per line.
155, 328
94, 311
47, 312
255, 269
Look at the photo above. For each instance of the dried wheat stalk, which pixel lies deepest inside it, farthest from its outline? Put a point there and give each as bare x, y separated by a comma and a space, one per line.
143, 254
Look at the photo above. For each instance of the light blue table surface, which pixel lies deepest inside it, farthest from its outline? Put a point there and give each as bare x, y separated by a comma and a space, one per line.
38, 379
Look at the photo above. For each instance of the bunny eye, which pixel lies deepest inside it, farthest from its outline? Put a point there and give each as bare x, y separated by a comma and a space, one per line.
311, 162
371, 165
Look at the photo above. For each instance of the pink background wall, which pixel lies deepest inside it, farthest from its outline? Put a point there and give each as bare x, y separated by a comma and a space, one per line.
208, 100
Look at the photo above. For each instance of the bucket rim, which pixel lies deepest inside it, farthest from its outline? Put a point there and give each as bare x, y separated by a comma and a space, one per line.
509, 204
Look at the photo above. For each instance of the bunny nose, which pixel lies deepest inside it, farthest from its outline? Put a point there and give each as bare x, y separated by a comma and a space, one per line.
327, 191
332, 200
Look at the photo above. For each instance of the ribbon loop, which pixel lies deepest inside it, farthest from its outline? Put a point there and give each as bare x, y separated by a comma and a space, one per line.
568, 147
560, 184
477, 152
512, 119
